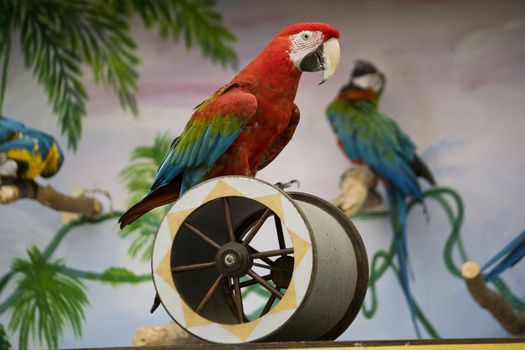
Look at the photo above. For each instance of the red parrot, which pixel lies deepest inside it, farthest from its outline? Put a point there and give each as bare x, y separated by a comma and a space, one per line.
244, 125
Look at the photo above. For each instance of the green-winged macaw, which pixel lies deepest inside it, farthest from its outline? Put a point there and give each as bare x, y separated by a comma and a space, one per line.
244, 125
370, 138
26, 153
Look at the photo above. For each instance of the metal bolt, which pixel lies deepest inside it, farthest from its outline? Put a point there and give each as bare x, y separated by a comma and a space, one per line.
230, 259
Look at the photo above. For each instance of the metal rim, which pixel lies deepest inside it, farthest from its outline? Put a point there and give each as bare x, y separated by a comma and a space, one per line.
361, 260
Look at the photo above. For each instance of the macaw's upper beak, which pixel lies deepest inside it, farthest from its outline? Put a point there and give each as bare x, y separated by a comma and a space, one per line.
326, 57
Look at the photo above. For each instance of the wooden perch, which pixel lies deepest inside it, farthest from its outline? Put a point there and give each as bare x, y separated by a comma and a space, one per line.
167, 334
46, 195
357, 191
512, 321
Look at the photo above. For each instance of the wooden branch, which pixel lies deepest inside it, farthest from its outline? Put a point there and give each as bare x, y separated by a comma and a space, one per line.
357, 191
46, 195
512, 321
167, 334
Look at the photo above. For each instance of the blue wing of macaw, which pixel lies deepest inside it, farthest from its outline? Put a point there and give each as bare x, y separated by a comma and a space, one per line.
210, 131
369, 136
8, 128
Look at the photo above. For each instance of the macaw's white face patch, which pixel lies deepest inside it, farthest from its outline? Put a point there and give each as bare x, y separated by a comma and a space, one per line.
310, 53
303, 43
372, 82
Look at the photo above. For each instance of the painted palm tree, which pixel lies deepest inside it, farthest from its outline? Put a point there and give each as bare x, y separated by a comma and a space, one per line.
59, 37
48, 296
138, 176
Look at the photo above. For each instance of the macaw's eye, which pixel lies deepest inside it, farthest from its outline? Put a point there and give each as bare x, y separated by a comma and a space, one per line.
306, 36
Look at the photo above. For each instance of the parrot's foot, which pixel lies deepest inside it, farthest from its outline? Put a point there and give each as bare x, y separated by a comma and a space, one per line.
288, 184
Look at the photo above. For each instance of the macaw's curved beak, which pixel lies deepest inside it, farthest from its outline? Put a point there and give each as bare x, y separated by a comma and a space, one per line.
326, 57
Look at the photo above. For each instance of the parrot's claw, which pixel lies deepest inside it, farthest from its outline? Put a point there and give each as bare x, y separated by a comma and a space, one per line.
288, 184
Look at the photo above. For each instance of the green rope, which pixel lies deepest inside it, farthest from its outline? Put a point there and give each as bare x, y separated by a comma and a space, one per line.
367, 215
374, 277
505, 292
114, 276
383, 260
64, 230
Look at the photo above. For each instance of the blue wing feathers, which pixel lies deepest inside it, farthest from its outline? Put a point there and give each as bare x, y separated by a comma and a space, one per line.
369, 136
206, 137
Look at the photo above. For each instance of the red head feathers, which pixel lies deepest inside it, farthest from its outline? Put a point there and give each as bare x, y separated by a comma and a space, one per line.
326, 29
301, 47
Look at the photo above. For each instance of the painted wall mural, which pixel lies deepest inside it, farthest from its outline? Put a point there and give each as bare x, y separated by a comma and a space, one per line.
456, 85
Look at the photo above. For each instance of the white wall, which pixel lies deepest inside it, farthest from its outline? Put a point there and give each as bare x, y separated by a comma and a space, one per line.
456, 84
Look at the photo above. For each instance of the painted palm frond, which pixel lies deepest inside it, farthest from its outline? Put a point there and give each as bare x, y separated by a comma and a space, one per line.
58, 38
195, 21
45, 301
4, 342
138, 176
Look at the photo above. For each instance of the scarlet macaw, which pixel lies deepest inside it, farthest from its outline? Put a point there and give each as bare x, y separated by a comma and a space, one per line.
244, 125
370, 138
27, 153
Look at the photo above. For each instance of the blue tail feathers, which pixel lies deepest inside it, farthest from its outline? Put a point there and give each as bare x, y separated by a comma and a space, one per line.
398, 217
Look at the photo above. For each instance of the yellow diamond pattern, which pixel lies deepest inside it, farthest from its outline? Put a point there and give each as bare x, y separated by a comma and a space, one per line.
243, 330
288, 302
300, 247
273, 202
175, 220
164, 270
192, 318
222, 189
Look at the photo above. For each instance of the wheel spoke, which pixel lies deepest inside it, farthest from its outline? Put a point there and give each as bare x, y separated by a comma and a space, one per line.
228, 216
262, 266
238, 300
279, 228
252, 281
210, 293
269, 253
268, 305
194, 267
202, 236
263, 258
265, 284
257, 227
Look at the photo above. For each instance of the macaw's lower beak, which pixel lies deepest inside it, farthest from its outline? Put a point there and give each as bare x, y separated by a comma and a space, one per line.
326, 58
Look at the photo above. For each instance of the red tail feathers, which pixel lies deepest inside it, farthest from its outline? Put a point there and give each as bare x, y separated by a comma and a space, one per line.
159, 197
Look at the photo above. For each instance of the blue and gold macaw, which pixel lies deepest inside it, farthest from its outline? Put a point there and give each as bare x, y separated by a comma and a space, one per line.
372, 139
26, 153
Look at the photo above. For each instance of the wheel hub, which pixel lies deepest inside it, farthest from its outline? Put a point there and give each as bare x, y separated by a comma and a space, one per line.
233, 260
